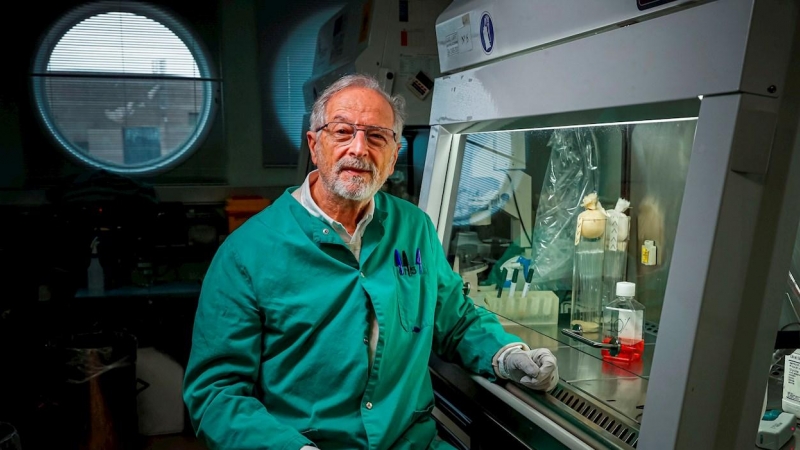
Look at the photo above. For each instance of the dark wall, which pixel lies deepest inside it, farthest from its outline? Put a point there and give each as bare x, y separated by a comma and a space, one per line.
47, 224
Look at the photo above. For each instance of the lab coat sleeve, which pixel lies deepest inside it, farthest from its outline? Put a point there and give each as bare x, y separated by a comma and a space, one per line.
463, 333
222, 372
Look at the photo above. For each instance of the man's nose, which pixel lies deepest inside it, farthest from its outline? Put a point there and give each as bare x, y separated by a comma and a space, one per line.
358, 146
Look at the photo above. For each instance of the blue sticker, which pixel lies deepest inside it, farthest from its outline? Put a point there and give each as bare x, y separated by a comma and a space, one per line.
487, 33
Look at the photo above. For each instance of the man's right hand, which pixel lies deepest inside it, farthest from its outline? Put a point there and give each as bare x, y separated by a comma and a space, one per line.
535, 368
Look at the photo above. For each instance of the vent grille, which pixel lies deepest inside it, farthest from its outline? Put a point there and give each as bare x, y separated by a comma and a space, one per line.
597, 415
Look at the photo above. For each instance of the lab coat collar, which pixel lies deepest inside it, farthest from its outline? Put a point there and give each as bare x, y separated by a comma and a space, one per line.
314, 227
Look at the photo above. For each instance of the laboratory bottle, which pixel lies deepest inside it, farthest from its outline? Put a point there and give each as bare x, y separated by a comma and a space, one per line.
615, 259
790, 402
623, 320
95, 278
587, 274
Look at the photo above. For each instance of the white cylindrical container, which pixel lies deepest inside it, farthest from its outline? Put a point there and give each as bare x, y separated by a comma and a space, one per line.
791, 384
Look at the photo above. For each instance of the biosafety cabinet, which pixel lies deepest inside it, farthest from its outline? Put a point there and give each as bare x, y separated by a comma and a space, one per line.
676, 123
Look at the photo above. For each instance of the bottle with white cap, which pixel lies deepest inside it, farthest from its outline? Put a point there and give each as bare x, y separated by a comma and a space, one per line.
623, 323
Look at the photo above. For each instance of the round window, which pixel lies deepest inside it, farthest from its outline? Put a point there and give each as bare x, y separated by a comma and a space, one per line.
123, 86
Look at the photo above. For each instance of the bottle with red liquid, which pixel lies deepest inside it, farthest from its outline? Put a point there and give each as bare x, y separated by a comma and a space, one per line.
623, 321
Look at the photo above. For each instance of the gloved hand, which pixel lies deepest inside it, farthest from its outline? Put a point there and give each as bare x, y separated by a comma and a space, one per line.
535, 368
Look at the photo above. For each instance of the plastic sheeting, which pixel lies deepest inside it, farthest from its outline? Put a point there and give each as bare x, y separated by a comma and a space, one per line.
572, 173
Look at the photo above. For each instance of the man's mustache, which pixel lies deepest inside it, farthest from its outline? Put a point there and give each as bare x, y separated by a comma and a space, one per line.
354, 163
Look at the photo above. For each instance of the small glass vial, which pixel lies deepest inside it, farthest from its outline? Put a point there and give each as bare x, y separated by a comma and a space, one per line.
623, 320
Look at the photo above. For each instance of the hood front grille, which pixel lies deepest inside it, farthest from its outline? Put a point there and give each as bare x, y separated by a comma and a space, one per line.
600, 417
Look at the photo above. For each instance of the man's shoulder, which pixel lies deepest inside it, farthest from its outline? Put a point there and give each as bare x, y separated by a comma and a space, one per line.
398, 207
269, 219
388, 202
283, 205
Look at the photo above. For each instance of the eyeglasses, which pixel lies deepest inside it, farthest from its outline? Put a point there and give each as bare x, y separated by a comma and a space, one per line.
343, 133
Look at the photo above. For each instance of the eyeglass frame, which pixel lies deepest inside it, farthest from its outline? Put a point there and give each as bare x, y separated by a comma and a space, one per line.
358, 128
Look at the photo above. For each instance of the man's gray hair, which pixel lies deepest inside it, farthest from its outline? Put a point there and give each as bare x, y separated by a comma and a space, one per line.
357, 80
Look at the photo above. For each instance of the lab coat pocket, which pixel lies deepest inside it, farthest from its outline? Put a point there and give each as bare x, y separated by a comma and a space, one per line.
414, 307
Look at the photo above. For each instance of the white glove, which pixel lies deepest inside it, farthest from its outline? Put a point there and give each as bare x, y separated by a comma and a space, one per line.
535, 368
308, 447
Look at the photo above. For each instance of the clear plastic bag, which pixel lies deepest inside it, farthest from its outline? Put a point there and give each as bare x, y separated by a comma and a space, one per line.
572, 173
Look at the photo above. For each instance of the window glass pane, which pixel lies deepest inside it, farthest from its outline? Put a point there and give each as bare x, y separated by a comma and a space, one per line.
487, 160
124, 121
520, 198
120, 42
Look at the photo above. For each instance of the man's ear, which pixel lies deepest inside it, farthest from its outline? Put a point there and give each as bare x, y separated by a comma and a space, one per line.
312, 145
395, 154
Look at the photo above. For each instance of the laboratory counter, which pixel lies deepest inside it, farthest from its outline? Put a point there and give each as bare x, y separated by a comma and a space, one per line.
597, 404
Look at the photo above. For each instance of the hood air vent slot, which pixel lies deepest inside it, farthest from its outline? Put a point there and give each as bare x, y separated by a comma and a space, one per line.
601, 416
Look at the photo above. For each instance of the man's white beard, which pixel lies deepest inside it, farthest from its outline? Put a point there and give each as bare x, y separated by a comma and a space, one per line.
357, 187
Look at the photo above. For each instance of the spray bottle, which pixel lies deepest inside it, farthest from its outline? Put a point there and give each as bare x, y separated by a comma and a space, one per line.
95, 279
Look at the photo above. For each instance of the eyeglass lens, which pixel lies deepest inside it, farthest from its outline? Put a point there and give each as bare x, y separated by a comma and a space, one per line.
377, 137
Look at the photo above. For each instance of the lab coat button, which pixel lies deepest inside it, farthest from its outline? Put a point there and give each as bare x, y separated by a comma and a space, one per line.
362, 275
369, 405
366, 341
325, 231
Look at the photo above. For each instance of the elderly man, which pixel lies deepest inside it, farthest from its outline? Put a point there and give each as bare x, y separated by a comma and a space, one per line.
318, 315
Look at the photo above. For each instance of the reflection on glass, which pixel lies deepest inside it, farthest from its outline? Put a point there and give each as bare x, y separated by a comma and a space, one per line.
125, 122
515, 230
406, 180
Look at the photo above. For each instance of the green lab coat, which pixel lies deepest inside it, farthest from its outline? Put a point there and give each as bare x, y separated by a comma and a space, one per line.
280, 348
